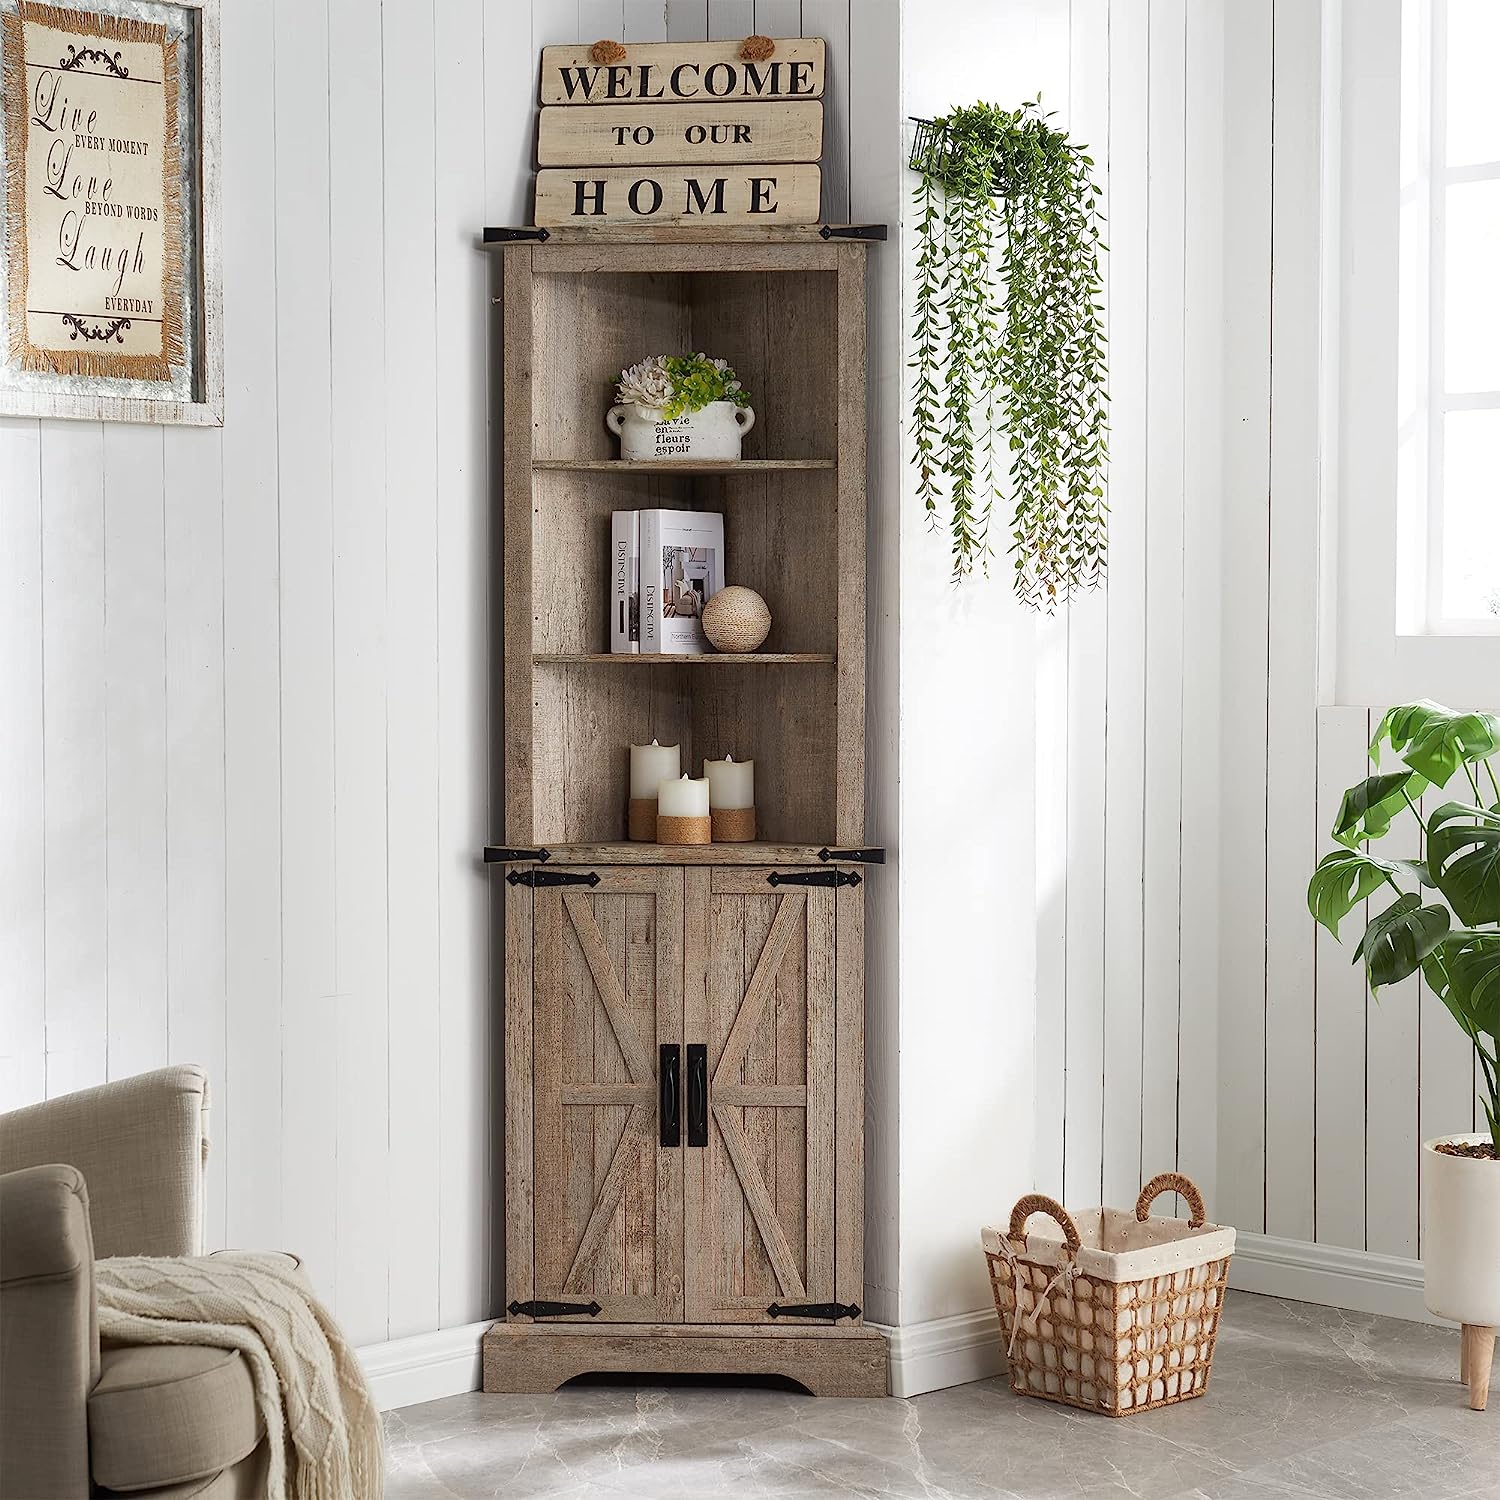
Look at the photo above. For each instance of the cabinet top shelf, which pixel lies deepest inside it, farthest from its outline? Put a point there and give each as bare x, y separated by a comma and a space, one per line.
621, 853
679, 466
696, 659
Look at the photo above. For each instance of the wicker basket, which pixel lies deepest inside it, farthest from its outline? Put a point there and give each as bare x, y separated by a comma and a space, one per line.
1119, 1315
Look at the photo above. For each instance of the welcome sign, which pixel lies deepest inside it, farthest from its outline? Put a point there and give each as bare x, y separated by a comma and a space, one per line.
93, 193
681, 132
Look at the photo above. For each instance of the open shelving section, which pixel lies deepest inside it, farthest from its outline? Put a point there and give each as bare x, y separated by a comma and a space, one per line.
788, 314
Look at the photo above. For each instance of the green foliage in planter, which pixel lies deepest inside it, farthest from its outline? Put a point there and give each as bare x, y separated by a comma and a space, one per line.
1445, 919
1009, 345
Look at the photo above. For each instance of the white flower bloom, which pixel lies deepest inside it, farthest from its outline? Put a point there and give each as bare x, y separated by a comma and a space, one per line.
646, 383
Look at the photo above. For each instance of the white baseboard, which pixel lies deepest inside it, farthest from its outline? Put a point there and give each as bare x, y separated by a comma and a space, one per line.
1359, 1280
425, 1366
946, 1351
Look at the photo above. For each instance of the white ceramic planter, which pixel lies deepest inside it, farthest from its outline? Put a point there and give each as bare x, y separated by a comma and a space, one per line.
712, 432
1461, 1243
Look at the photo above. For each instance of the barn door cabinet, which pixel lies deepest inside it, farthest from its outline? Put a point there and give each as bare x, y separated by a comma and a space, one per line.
684, 1027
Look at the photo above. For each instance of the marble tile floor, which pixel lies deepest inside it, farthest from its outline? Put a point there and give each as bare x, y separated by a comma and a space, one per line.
1305, 1401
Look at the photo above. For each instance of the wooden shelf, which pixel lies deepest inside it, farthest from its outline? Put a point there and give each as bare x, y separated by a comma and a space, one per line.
623, 853
697, 659
682, 466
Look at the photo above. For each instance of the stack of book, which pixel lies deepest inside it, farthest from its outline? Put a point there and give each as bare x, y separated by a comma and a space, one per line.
665, 565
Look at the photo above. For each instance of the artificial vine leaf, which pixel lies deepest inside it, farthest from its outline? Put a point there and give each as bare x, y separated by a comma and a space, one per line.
1367, 809
1009, 346
1435, 741
1346, 877
1399, 938
1463, 853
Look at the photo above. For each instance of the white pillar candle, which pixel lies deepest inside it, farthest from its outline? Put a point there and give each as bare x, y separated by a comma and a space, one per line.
683, 798
731, 782
650, 765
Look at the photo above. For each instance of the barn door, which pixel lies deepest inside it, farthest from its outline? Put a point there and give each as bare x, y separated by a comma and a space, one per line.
607, 999
760, 1187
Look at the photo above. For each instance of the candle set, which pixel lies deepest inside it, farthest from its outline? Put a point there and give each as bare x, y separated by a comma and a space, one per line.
667, 806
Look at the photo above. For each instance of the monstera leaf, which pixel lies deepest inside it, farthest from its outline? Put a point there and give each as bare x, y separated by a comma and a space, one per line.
1346, 877
1396, 941
1463, 853
1435, 741
1464, 972
1367, 809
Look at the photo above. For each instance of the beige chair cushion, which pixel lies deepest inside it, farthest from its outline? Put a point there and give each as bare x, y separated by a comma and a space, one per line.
164, 1414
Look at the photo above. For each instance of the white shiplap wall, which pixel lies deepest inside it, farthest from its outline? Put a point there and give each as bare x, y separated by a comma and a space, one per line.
245, 675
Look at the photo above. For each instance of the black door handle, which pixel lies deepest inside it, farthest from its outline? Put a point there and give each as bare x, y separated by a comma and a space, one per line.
671, 1092
697, 1095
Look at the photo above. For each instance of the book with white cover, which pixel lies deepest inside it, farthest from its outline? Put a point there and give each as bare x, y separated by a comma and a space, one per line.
625, 581
682, 568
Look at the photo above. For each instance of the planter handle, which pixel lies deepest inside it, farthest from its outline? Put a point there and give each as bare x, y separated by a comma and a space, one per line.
1040, 1203
744, 418
1172, 1182
614, 419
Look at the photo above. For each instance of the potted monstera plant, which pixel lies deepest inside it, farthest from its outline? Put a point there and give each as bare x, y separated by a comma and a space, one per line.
1440, 915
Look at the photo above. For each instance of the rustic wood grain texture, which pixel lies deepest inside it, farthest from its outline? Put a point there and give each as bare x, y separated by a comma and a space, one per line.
849, 1107
775, 192
530, 1358
623, 135
519, 1095
763, 856
702, 70
851, 545
517, 297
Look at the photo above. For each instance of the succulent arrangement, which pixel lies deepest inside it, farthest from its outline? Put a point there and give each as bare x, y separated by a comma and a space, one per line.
678, 383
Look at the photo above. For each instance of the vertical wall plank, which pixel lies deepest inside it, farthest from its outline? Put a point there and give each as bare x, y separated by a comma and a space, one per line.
1088, 121
687, 20
248, 1108
135, 718
645, 21
600, 18
1166, 624
1247, 407
23, 949
304, 265
73, 755
1392, 1040
1052, 895
831, 20
360, 567
411, 377
463, 542
1291, 726
1202, 563
1339, 1121
195, 917
728, 20
775, 17
1125, 726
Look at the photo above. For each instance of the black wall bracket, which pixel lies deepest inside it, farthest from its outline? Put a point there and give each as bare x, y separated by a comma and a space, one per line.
509, 233
535, 878
833, 1310
553, 1309
813, 877
503, 854
853, 231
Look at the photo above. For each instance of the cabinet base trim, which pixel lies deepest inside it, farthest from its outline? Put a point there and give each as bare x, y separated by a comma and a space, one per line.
530, 1357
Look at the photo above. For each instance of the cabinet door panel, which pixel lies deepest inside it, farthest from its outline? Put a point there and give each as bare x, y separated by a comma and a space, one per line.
760, 1205
607, 993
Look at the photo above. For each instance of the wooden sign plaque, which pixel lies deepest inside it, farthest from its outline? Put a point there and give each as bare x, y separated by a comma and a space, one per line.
761, 194
683, 73
610, 135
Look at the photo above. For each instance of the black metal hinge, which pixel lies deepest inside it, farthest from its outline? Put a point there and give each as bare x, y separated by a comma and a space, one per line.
853, 231
534, 878
833, 1310
503, 854
507, 234
872, 856
812, 877
553, 1309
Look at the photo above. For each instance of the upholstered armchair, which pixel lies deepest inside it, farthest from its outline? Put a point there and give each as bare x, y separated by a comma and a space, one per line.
115, 1170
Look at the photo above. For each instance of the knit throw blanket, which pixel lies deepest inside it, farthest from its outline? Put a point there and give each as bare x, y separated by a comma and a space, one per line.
325, 1434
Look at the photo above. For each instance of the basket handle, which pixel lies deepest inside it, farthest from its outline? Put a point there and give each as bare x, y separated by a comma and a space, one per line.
1040, 1203
1172, 1182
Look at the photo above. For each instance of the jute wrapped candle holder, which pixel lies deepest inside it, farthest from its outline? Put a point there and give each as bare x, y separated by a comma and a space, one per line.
671, 830
733, 825
1121, 1314
640, 820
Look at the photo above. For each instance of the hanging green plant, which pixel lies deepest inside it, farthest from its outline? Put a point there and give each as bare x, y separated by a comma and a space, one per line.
1009, 345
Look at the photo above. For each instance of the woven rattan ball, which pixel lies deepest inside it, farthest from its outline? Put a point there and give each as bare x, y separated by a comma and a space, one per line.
736, 619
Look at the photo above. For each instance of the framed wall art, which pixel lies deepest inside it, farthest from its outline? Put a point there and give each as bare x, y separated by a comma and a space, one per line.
110, 302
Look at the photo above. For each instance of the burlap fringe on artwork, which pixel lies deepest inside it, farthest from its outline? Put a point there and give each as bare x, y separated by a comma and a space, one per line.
90, 363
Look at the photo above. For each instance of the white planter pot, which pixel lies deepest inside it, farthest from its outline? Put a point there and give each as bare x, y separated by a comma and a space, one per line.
712, 432
1461, 1245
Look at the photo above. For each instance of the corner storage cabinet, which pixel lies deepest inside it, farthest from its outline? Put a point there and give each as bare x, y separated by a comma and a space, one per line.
684, 1033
